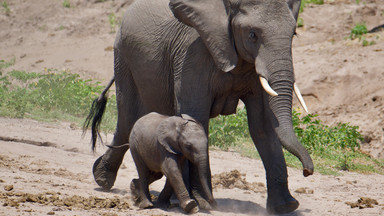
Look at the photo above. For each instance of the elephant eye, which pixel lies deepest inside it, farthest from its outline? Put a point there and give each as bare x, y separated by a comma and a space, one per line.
252, 35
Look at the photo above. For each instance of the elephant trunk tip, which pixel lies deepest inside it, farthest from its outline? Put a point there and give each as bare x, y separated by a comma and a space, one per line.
307, 172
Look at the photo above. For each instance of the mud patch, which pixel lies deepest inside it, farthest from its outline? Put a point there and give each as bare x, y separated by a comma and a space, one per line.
14, 199
235, 179
363, 202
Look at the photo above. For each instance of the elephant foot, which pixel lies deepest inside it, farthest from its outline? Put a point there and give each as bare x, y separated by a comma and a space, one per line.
145, 204
135, 191
203, 203
280, 201
190, 206
140, 201
104, 176
283, 208
164, 204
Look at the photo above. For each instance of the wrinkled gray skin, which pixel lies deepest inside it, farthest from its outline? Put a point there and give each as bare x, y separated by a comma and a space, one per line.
159, 145
202, 63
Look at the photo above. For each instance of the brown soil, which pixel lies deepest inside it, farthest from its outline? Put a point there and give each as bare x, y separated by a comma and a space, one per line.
45, 168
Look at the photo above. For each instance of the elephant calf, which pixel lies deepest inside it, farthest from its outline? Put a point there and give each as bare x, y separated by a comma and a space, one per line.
159, 146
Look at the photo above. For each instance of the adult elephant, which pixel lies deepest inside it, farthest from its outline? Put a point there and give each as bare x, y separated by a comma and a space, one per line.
200, 57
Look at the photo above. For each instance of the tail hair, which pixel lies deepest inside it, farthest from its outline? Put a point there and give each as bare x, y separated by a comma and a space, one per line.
96, 115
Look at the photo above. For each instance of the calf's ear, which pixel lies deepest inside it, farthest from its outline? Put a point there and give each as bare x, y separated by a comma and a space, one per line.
294, 5
168, 136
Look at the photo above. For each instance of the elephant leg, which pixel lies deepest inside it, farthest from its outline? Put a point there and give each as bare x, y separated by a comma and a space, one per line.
195, 185
163, 200
196, 188
105, 167
173, 174
140, 187
269, 147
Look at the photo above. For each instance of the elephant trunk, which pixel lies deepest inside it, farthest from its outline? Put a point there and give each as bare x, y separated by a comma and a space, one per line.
203, 166
282, 82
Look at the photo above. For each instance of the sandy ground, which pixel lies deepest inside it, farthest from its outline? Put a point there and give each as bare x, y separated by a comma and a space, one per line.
59, 165
46, 169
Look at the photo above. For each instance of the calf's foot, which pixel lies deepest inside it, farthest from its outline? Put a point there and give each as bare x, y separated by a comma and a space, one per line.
190, 206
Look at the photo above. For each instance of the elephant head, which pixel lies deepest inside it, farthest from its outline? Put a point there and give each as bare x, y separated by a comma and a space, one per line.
185, 136
259, 32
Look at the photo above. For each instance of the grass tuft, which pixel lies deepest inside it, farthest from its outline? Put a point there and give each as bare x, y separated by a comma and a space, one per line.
7, 10
66, 4
113, 22
358, 32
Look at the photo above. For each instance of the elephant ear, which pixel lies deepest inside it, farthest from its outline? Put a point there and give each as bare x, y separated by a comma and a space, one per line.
168, 135
210, 19
294, 5
188, 118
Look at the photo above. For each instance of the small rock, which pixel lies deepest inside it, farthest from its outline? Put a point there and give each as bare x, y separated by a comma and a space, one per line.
73, 126
51, 213
108, 48
300, 190
304, 191
8, 187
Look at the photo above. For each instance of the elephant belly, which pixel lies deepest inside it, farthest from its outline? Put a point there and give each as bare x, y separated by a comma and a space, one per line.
224, 106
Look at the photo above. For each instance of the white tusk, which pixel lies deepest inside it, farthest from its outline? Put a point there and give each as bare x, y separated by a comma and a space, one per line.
266, 87
300, 97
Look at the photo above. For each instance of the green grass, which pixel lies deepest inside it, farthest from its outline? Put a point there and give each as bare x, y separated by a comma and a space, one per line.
304, 3
113, 22
60, 95
51, 95
7, 10
227, 131
358, 32
66, 4
6, 64
300, 22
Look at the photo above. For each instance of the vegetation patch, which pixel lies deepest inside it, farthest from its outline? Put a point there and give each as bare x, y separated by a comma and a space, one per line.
359, 32
51, 95
332, 148
66, 4
5, 7
305, 3
113, 22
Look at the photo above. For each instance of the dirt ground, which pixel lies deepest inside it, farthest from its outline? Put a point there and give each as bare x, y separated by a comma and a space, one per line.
45, 168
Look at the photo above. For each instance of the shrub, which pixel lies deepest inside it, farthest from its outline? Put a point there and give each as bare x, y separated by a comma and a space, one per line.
226, 131
318, 137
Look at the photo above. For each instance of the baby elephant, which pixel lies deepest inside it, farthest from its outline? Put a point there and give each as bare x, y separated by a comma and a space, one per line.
159, 145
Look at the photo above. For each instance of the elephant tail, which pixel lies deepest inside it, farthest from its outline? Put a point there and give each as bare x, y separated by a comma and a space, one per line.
96, 114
